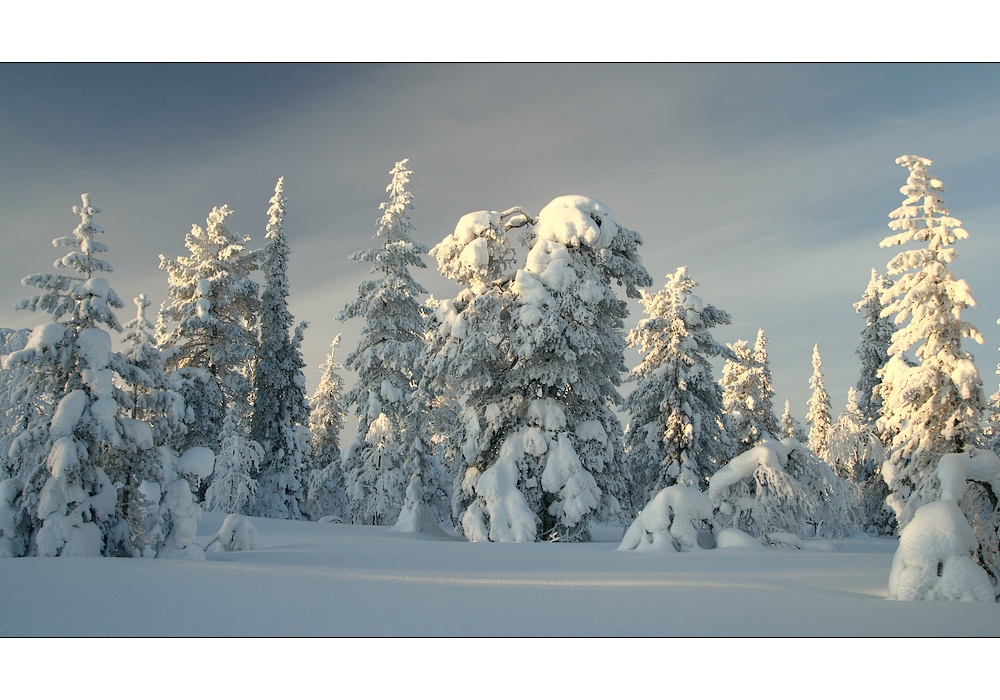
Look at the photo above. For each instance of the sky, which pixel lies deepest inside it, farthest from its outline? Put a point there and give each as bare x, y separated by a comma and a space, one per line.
771, 183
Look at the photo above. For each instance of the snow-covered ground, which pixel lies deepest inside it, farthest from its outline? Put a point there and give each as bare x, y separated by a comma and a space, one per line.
347, 580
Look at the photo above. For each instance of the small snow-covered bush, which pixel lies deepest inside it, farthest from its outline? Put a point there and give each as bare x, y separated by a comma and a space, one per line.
934, 560
237, 534
679, 518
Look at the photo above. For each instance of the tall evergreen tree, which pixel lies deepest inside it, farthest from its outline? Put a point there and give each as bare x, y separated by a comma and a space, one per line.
154, 418
935, 407
818, 417
209, 320
678, 431
67, 505
873, 350
387, 361
325, 493
469, 356
279, 386
569, 345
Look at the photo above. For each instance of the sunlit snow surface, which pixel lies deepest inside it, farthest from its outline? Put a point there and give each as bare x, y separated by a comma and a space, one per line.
345, 580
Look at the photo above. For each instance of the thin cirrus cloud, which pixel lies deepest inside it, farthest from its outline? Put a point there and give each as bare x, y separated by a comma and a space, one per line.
770, 183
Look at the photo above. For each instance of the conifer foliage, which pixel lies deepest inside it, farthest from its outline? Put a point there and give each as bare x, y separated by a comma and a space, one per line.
678, 430
325, 492
388, 363
873, 350
280, 404
935, 407
747, 393
63, 501
818, 417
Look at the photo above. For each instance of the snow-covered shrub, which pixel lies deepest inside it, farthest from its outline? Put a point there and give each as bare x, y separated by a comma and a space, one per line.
233, 488
755, 494
934, 560
836, 509
179, 513
678, 519
237, 534
784, 486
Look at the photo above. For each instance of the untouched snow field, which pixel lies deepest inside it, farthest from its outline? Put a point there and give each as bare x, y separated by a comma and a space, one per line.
346, 580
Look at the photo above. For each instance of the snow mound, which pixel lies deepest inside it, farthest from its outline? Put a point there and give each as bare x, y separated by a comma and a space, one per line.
731, 538
237, 534
671, 522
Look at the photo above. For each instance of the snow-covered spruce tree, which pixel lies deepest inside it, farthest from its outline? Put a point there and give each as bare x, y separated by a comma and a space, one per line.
935, 407
790, 427
233, 488
855, 452
279, 386
677, 432
14, 415
68, 504
387, 361
569, 345
818, 417
153, 418
325, 485
873, 350
209, 321
469, 355
747, 394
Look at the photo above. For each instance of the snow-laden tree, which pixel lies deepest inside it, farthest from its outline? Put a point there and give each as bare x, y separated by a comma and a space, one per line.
279, 386
754, 493
818, 417
940, 557
388, 363
836, 507
855, 452
677, 432
233, 488
325, 492
209, 320
747, 393
15, 415
153, 417
790, 427
781, 486
469, 354
67, 503
935, 407
873, 350
569, 345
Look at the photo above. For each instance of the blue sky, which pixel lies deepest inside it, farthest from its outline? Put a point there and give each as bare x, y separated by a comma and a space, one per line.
771, 183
